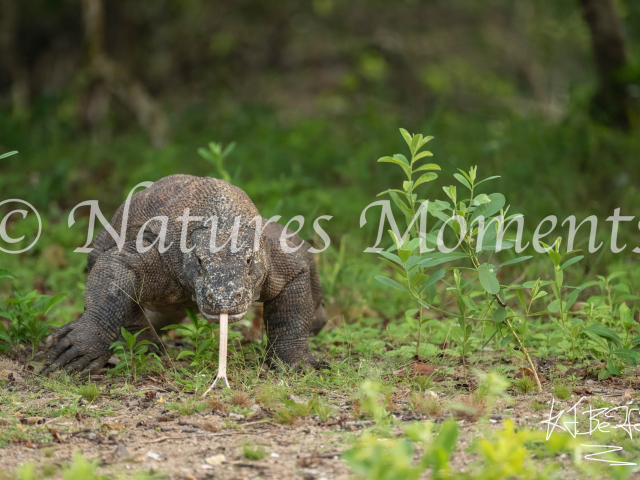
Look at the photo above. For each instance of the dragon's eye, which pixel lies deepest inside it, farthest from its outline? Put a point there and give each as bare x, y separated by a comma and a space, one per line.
199, 262
249, 261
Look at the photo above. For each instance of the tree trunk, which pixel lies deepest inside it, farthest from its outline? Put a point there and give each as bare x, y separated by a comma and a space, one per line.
17, 71
117, 80
611, 102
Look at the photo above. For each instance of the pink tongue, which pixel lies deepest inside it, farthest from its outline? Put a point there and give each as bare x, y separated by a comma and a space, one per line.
222, 356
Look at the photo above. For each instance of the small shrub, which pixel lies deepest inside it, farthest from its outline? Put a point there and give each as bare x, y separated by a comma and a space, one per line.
240, 399
424, 405
216, 405
133, 354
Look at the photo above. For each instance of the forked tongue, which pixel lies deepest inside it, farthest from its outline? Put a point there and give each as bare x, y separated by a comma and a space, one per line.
222, 356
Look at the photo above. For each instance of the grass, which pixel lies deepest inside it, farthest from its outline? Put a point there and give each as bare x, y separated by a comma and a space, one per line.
188, 407
538, 406
90, 392
253, 453
561, 390
525, 385
425, 405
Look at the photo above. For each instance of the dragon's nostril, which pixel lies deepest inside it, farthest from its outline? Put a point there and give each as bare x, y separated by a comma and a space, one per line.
239, 295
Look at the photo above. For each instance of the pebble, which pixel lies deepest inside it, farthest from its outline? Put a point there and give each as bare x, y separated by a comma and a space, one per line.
216, 459
296, 399
154, 455
431, 395
236, 416
121, 451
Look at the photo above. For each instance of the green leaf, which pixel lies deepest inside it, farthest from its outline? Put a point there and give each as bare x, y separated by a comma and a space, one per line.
573, 297
555, 257
405, 166
390, 190
6, 274
489, 209
487, 179
426, 153
391, 256
414, 143
425, 140
426, 166
427, 177
185, 353
8, 154
462, 180
404, 255
433, 279
391, 283
626, 352
407, 136
612, 367
481, 199
520, 296
507, 340
418, 279
554, 306
488, 280
571, 261
516, 260
500, 315
434, 260
604, 332
54, 301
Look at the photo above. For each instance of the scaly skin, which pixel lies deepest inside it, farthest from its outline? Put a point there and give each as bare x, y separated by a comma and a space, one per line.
126, 287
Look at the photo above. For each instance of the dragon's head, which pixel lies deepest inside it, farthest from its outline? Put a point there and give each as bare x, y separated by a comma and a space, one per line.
228, 280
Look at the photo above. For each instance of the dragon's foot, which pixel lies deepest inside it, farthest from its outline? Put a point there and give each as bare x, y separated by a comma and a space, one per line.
80, 346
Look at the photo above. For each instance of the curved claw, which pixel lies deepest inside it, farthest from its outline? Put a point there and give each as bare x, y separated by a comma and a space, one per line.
76, 347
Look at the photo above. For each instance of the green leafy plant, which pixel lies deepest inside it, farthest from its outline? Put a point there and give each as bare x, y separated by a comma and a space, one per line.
133, 354
373, 459
216, 155
202, 335
26, 318
461, 217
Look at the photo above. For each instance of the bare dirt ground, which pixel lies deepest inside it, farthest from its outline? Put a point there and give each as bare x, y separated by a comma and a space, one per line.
136, 431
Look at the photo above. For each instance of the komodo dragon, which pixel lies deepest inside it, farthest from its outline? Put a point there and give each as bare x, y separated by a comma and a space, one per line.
165, 283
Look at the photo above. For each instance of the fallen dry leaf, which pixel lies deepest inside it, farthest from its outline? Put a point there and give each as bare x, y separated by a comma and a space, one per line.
422, 369
112, 426
582, 391
56, 435
209, 427
150, 395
